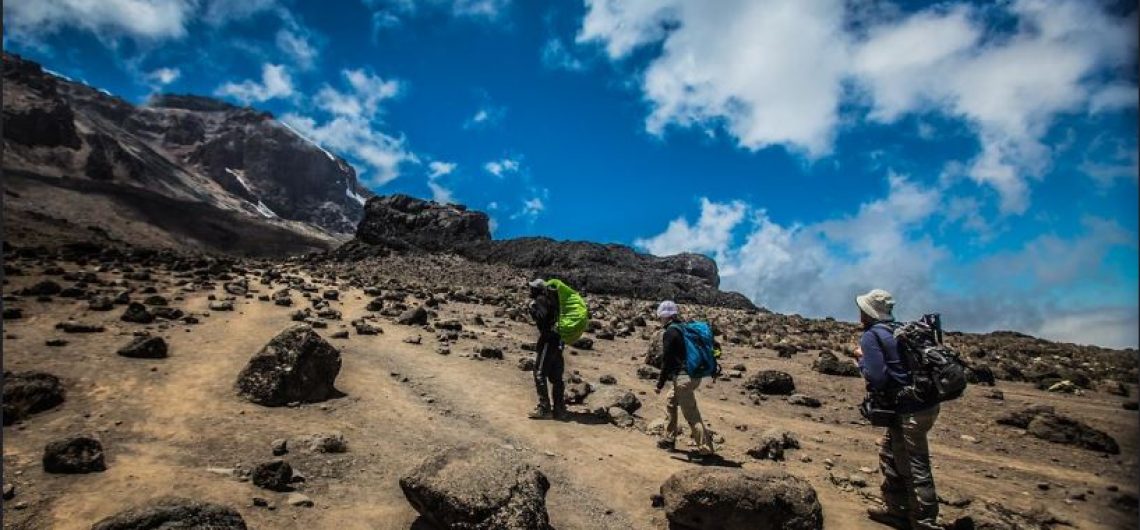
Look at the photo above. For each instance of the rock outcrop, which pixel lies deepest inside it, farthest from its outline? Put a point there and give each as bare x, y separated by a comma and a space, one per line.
478, 487
406, 224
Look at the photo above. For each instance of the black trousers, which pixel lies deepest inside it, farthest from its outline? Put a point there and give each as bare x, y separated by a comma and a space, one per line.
548, 366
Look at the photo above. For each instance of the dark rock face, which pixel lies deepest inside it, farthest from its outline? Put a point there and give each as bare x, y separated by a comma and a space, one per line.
734, 499
44, 120
171, 147
145, 348
26, 393
477, 487
295, 366
829, 364
771, 382
77, 454
402, 222
169, 513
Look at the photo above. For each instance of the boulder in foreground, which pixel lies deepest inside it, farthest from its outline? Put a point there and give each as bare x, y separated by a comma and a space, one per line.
295, 366
26, 393
75, 454
735, 499
476, 487
173, 513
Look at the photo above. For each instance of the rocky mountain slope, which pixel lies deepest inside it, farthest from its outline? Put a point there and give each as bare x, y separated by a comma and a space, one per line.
213, 160
401, 223
391, 392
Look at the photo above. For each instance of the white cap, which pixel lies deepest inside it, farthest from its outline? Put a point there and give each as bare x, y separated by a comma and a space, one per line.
538, 283
878, 304
667, 308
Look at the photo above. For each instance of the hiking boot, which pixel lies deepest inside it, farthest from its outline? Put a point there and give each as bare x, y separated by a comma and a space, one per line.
668, 445
539, 413
891, 518
561, 415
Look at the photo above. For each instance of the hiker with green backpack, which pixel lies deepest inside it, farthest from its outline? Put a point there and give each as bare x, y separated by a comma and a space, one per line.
561, 316
688, 356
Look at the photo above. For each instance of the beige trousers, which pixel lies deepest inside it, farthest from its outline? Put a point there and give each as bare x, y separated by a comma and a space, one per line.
683, 395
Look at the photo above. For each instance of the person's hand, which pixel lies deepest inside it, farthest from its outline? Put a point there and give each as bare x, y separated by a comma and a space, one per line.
857, 352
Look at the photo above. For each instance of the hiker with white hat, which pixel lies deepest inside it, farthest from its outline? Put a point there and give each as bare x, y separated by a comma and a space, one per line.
682, 390
904, 456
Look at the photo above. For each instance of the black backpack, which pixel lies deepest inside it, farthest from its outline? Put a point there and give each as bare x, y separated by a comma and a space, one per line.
937, 372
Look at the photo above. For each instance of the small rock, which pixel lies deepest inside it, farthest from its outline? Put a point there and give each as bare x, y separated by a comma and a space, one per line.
297, 499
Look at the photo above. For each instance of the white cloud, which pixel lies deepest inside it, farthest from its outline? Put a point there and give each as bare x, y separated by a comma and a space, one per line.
219, 12
275, 83
485, 116
530, 210
354, 124
437, 170
391, 13
775, 72
501, 168
163, 76
557, 57
108, 19
816, 269
298, 46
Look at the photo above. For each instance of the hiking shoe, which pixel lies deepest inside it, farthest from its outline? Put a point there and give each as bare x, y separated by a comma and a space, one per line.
561, 415
891, 518
668, 445
539, 413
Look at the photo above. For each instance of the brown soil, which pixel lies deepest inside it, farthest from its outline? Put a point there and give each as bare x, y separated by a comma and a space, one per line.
166, 423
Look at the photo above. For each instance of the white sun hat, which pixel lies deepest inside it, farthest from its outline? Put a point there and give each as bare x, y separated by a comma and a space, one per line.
878, 304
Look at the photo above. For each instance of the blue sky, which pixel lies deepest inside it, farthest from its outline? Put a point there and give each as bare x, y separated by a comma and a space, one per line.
977, 159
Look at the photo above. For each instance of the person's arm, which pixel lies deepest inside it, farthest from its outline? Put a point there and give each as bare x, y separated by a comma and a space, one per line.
873, 362
672, 351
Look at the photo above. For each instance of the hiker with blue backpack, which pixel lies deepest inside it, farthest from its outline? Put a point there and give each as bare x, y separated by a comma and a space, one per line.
687, 358
561, 316
909, 372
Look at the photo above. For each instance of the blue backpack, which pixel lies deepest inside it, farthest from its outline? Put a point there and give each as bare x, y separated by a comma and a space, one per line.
700, 356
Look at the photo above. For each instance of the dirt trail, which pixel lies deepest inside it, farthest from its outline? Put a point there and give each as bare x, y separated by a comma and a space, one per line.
166, 423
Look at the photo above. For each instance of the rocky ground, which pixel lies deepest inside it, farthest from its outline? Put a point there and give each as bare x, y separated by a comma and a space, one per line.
166, 418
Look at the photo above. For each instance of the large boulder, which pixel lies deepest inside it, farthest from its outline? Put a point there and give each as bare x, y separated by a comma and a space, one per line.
74, 454
736, 499
478, 486
295, 366
771, 382
26, 393
171, 513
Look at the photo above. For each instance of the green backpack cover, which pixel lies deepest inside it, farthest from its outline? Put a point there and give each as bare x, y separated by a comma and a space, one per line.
573, 317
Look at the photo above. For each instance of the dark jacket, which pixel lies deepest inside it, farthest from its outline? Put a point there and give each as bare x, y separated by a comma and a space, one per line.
544, 309
883, 367
672, 355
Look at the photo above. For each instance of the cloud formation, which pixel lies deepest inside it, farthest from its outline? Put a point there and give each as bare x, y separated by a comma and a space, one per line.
275, 83
501, 168
1051, 286
777, 72
353, 124
436, 171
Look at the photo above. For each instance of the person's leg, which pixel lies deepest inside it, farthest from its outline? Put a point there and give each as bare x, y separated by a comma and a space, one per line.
894, 486
687, 401
555, 366
540, 362
669, 436
914, 429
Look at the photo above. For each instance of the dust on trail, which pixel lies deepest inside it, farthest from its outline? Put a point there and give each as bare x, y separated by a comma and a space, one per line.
164, 423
